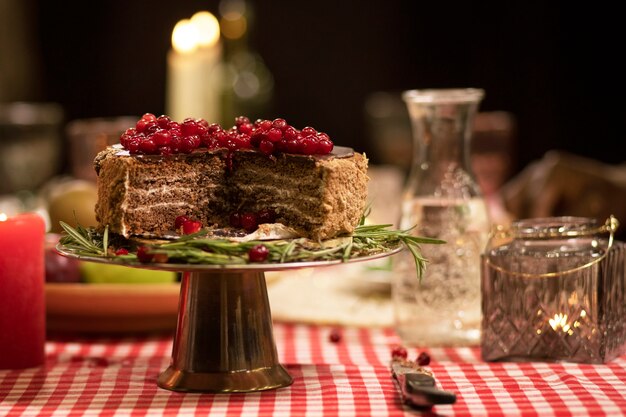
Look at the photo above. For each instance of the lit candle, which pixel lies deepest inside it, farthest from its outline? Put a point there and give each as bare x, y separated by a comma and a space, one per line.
193, 73
22, 276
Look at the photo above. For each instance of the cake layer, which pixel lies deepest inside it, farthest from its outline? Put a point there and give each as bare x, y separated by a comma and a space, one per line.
319, 197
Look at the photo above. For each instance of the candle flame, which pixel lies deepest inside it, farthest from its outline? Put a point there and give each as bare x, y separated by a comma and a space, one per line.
3, 217
184, 36
208, 28
201, 31
560, 322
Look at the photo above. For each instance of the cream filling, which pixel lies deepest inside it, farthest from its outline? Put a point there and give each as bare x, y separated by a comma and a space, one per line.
268, 231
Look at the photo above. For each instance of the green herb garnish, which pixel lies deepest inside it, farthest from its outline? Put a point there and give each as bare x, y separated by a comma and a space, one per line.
198, 248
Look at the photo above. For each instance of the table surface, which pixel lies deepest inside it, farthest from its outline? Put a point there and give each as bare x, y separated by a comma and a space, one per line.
117, 376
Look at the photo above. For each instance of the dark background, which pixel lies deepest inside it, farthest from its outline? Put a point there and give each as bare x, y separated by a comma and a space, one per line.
554, 66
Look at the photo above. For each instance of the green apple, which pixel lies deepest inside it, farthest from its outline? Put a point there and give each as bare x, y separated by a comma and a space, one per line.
96, 273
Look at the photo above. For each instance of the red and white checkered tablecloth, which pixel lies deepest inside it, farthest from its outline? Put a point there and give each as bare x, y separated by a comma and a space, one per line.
349, 378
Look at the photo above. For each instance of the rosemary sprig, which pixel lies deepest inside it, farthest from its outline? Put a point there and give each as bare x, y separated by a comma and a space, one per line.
198, 248
85, 241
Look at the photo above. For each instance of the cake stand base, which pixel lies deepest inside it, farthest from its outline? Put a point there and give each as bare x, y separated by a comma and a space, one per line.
224, 340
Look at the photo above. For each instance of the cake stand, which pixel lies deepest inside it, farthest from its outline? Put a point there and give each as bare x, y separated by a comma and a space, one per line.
224, 340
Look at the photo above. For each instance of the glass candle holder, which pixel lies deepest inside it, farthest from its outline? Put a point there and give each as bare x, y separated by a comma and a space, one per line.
554, 289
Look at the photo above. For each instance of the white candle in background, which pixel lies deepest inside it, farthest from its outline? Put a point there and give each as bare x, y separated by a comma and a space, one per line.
193, 73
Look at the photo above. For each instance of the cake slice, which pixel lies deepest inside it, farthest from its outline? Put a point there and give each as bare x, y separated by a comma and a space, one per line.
318, 196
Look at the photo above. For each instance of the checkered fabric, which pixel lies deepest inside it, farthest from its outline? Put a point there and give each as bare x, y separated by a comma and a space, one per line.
349, 378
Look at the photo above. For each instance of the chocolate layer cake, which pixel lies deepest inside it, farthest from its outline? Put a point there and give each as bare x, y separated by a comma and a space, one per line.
320, 197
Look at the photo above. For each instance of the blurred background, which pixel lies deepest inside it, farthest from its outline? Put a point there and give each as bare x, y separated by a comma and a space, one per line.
548, 139
555, 68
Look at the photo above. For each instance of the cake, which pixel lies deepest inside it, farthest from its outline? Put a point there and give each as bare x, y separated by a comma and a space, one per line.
319, 195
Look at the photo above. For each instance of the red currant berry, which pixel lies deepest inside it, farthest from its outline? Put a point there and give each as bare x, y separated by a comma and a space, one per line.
242, 141
399, 352
144, 125
189, 127
201, 130
195, 141
256, 138
241, 120
290, 133
274, 135
221, 137
191, 226
324, 147
178, 223
124, 138
148, 147
164, 121
144, 255
203, 123
162, 137
309, 146
423, 359
266, 147
214, 128
309, 131
245, 128
121, 251
175, 142
258, 253
249, 222
133, 145
292, 146
334, 336
322, 136
263, 124
280, 124
186, 145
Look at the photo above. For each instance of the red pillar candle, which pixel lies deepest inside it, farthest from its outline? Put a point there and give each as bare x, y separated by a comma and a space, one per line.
22, 276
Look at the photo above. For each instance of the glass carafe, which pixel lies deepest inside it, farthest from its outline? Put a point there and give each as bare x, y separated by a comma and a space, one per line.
441, 200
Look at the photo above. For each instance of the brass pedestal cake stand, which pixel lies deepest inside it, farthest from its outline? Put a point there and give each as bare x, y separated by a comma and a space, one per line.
224, 340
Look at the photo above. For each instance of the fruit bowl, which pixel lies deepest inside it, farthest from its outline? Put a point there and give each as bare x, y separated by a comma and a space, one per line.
84, 297
111, 308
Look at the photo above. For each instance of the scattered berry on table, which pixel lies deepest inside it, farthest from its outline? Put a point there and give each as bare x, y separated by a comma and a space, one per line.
399, 352
335, 336
423, 359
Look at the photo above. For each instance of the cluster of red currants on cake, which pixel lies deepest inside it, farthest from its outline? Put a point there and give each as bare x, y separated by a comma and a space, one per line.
162, 136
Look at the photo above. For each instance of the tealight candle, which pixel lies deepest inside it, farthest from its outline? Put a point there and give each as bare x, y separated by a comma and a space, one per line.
22, 276
554, 289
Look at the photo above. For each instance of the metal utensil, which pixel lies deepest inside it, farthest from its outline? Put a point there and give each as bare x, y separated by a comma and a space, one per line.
418, 386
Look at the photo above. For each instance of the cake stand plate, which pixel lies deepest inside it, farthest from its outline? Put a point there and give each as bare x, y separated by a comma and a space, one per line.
224, 340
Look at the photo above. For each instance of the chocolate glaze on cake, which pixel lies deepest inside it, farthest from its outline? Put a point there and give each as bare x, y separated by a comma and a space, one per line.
319, 196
